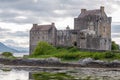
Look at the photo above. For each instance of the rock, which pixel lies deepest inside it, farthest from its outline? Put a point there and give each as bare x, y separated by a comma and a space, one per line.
1, 65
85, 61
1, 56
99, 61
52, 59
6, 69
116, 61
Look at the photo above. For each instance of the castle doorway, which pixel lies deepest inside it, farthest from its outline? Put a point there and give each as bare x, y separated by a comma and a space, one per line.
75, 43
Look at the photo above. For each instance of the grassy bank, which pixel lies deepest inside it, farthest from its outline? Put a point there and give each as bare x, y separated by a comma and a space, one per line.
52, 76
44, 50
58, 76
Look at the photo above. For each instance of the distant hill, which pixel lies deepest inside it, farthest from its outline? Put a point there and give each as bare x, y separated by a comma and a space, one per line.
21, 49
4, 48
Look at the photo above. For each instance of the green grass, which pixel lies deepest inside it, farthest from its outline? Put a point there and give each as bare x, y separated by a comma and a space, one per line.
67, 54
59, 76
44, 50
52, 76
6, 69
8, 55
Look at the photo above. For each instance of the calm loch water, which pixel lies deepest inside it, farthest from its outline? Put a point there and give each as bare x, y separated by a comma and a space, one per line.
79, 74
14, 75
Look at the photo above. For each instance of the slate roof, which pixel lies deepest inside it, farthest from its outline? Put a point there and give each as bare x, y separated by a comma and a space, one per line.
90, 12
42, 27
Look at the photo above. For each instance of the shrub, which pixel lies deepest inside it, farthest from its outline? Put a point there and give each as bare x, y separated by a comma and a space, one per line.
7, 54
73, 49
43, 48
109, 55
115, 46
97, 56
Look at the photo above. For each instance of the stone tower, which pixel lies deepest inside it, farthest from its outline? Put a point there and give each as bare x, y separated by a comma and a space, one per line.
94, 29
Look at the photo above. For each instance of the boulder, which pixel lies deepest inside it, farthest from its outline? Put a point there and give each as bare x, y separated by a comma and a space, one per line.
85, 61
52, 59
115, 61
99, 61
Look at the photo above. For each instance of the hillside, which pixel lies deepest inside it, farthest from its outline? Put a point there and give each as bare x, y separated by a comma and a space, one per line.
4, 48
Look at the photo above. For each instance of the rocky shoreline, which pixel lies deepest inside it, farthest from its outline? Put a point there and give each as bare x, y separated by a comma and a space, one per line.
55, 62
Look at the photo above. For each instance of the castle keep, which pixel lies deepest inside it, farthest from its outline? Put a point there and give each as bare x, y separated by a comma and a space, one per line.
92, 31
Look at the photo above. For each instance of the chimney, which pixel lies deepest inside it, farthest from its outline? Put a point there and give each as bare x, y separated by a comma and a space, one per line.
67, 28
34, 25
53, 24
83, 10
102, 9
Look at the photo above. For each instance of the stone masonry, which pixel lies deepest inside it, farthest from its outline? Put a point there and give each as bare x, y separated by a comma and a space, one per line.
92, 31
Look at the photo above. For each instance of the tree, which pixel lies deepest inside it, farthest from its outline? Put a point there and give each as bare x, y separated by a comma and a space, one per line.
115, 46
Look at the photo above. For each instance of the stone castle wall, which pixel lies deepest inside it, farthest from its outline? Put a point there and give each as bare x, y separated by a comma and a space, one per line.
92, 31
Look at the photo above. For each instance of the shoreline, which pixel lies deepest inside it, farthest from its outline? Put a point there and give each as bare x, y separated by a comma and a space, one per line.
57, 63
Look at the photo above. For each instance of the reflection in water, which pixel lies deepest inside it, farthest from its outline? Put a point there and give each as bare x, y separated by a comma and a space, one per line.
79, 73
14, 75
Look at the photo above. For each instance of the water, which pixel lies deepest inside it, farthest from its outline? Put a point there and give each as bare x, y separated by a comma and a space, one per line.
20, 54
14, 75
79, 73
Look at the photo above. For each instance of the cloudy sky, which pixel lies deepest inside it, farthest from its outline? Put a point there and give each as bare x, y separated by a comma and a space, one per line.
17, 16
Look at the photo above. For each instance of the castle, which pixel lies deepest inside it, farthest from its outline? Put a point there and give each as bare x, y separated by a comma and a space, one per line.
92, 31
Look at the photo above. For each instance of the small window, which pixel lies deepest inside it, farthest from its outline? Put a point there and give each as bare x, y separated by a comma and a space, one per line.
43, 37
32, 37
104, 29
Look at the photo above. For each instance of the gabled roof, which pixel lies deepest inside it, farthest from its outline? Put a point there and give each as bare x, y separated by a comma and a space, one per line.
90, 12
42, 27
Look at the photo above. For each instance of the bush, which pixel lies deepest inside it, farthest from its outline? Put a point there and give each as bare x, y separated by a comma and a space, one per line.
115, 46
109, 55
7, 54
68, 56
43, 48
97, 56
73, 49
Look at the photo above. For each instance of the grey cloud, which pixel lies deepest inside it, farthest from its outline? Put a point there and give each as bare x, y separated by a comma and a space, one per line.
3, 29
115, 28
115, 35
3, 32
11, 42
7, 33
43, 10
16, 45
19, 34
